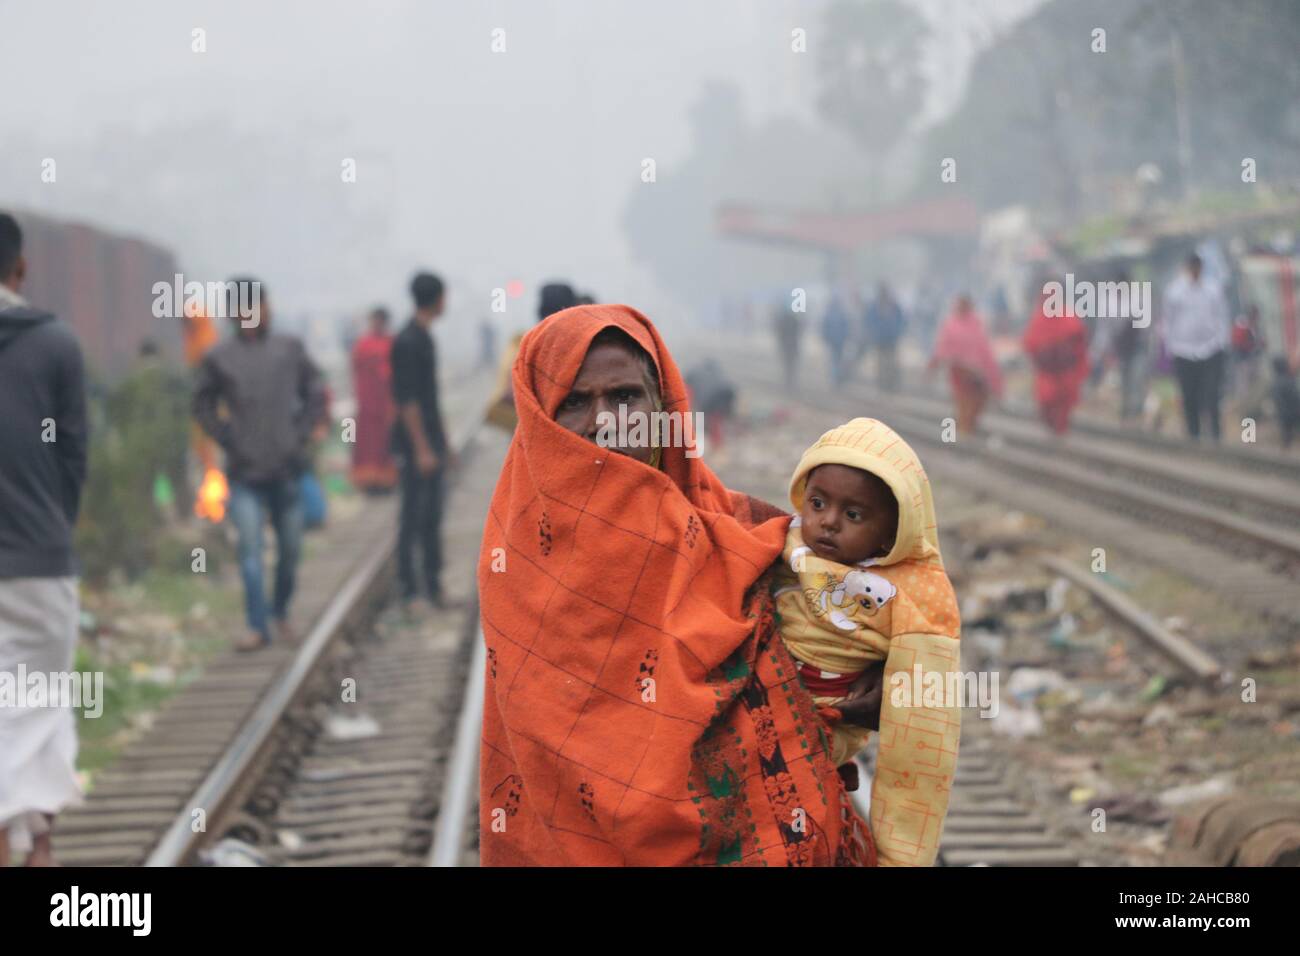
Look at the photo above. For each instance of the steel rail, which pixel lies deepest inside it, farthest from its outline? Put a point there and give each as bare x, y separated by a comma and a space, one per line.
214, 794
462, 767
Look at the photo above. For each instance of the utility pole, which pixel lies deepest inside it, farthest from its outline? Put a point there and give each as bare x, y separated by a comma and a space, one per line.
1182, 115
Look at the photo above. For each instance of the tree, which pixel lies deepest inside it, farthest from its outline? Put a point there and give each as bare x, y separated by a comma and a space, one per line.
870, 78
1048, 121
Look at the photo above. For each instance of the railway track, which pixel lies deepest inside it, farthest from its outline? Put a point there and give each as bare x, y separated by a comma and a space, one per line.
1237, 538
1232, 475
357, 784
263, 750
344, 762
387, 778
1191, 486
994, 818
1238, 458
147, 788
1140, 490
990, 821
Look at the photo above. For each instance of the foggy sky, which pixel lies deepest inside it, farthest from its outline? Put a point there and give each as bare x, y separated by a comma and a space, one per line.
486, 167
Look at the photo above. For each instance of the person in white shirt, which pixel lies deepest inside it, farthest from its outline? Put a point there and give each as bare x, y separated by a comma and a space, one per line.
1196, 332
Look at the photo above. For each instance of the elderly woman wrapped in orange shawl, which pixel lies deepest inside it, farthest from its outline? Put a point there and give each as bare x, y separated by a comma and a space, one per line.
640, 708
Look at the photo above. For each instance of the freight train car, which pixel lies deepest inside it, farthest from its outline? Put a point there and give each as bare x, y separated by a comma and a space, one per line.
101, 284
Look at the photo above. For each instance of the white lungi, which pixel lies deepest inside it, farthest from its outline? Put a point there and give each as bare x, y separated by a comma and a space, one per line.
38, 745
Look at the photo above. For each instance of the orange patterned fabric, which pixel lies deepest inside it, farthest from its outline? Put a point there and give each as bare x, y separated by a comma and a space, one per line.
640, 708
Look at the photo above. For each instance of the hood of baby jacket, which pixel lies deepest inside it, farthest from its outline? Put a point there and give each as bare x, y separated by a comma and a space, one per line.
875, 447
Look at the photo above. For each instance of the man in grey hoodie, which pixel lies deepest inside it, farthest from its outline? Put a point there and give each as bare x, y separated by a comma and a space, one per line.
42, 469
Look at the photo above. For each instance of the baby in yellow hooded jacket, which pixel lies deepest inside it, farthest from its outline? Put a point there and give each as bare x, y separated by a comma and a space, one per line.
862, 580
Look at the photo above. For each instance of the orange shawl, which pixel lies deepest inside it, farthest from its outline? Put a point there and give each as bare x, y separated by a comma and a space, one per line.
640, 708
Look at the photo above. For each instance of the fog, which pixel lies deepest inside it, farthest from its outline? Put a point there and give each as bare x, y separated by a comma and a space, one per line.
485, 166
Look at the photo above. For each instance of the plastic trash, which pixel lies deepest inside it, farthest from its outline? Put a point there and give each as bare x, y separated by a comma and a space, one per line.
1194, 792
230, 852
343, 727
1160, 714
1017, 722
1153, 689
1029, 683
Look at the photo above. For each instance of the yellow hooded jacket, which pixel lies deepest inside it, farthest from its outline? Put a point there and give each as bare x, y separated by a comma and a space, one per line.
900, 608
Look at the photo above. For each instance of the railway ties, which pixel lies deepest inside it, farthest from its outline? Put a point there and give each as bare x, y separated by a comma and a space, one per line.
1000, 814
363, 790
371, 782
136, 797
251, 718
349, 769
989, 822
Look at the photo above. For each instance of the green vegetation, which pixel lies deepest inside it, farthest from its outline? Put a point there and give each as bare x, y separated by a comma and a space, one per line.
125, 697
140, 430
131, 687
1093, 235
1126, 767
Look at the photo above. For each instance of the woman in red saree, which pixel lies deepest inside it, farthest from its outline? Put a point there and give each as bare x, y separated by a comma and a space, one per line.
373, 468
640, 708
1057, 345
973, 371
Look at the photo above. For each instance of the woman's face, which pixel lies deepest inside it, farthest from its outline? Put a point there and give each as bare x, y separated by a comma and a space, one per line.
610, 376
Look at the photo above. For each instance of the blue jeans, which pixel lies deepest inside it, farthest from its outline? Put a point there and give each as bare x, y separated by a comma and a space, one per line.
280, 502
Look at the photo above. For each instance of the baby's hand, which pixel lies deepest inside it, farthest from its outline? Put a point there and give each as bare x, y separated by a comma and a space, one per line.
865, 681
861, 705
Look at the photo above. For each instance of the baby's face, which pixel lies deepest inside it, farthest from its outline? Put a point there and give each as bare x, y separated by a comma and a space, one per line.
848, 514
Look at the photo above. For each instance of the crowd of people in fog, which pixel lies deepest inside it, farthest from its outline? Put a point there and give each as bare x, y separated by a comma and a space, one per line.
1195, 340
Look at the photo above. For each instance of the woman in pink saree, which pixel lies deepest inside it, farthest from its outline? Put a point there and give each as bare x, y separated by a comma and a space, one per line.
973, 370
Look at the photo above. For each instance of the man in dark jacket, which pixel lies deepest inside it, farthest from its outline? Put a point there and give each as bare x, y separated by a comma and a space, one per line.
259, 396
42, 469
